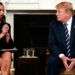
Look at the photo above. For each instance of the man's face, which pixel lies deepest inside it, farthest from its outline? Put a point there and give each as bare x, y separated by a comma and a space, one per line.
61, 14
1, 11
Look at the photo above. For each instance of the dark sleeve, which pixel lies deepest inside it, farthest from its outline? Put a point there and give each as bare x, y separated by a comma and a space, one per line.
10, 45
5, 45
52, 41
1, 44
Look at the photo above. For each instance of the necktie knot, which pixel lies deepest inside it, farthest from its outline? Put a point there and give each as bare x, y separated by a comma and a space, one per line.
65, 24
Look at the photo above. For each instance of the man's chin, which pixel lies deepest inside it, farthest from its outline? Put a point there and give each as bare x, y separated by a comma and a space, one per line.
58, 19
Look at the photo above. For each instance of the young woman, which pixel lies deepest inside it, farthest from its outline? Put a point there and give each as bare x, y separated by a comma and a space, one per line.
6, 43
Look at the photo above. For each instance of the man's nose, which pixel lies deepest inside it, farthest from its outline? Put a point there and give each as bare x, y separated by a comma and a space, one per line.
56, 13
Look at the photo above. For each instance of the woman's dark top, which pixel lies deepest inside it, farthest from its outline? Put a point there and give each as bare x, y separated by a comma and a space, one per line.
6, 45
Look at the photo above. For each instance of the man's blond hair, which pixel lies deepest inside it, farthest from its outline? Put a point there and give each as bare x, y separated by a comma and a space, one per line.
65, 5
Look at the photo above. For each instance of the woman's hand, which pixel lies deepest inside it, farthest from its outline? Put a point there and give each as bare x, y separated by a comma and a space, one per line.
2, 35
7, 37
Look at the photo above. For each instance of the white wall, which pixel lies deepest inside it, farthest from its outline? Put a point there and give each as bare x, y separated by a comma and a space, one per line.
50, 4
10, 19
33, 4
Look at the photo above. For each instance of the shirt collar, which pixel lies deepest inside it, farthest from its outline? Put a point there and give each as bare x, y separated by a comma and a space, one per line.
69, 22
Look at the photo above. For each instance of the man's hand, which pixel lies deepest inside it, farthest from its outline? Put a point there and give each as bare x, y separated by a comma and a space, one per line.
65, 62
72, 64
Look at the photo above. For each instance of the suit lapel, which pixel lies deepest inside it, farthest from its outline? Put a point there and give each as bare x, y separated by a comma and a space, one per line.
61, 34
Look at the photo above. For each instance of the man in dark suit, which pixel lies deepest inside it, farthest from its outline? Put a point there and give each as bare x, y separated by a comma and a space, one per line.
62, 40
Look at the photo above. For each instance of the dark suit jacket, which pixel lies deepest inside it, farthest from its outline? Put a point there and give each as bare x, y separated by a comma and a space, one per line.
57, 38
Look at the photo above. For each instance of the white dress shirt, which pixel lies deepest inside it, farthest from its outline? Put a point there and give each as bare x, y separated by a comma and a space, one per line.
69, 23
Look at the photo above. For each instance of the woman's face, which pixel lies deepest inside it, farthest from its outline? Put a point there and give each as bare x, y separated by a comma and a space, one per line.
5, 28
1, 11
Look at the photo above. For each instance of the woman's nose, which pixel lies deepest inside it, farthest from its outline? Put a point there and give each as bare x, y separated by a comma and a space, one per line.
2, 12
